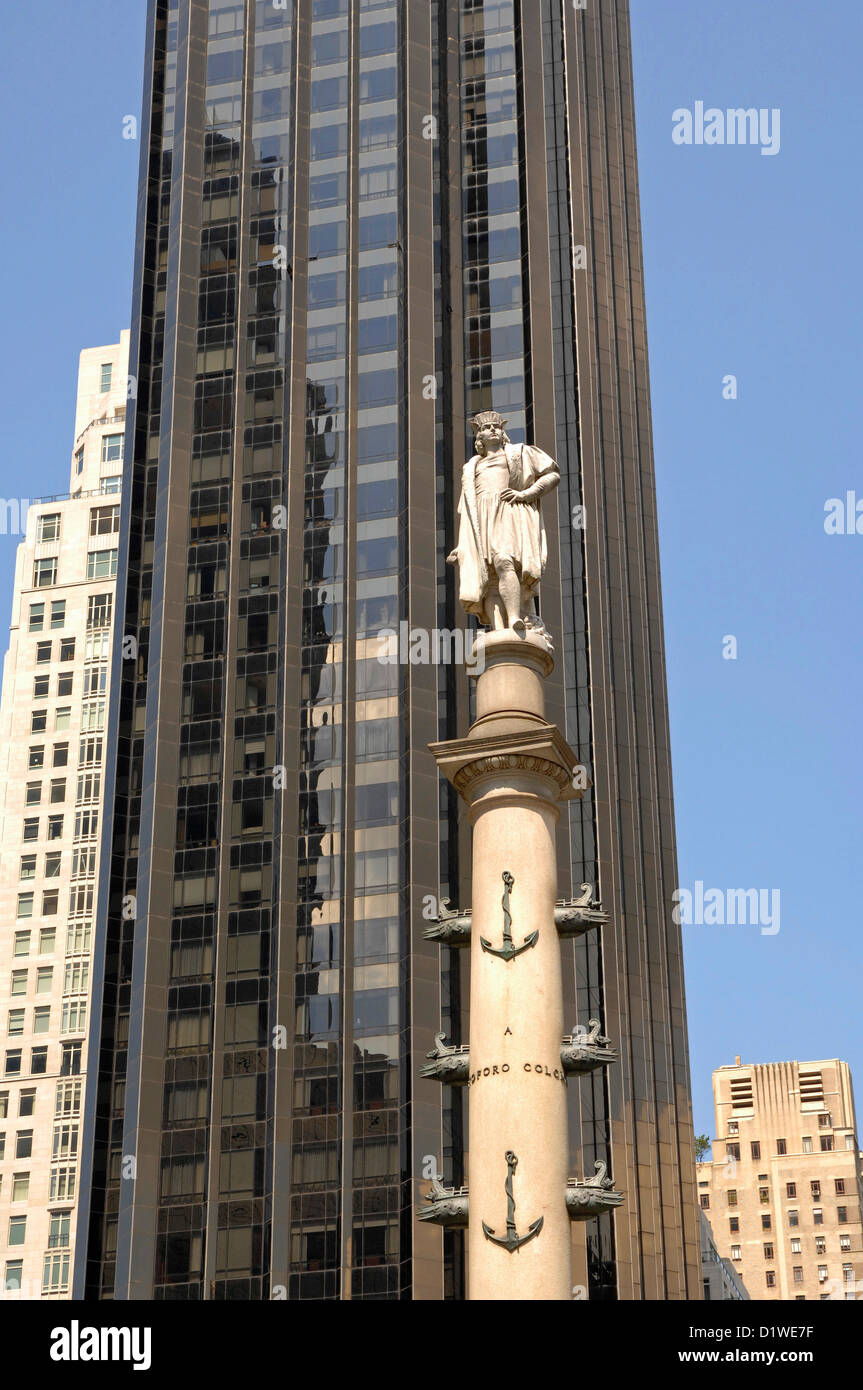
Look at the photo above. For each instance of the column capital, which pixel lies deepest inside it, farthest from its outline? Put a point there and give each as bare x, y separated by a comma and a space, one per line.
542, 752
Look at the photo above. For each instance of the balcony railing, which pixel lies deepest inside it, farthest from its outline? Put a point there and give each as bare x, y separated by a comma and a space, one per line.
75, 496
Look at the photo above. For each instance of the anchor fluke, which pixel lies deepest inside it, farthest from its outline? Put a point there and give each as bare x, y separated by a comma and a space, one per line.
511, 1241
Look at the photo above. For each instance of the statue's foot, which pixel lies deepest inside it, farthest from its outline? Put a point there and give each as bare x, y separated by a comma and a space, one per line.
538, 627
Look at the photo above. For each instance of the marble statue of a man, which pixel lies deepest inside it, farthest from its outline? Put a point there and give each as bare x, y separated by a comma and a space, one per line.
502, 550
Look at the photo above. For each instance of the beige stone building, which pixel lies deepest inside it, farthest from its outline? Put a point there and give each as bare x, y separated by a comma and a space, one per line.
722, 1283
52, 721
783, 1190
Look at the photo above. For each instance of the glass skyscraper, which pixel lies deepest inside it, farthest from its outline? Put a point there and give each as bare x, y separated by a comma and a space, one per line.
360, 222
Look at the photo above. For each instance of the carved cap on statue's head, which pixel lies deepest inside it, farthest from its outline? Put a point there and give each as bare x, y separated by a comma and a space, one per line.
488, 424
488, 417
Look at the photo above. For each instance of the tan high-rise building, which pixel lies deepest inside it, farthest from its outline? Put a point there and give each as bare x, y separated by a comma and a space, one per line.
52, 720
783, 1190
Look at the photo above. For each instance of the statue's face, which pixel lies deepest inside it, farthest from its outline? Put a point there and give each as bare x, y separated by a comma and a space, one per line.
491, 436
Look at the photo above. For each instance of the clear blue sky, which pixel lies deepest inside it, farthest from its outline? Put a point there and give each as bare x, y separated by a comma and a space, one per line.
753, 268
70, 73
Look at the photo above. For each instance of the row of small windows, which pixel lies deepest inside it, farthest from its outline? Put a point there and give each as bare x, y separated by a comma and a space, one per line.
375, 282
331, 141
53, 830
484, 59
59, 1229
825, 1142
373, 335
770, 1276
334, 47
76, 979
335, 9
50, 904
92, 719
489, 18
99, 607
95, 683
86, 826
89, 755
47, 942
42, 688
51, 865
211, 521
57, 616
70, 1065
825, 1121
375, 232
792, 1214
64, 1144
790, 1192
103, 521
326, 190
26, 1104
101, 564
375, 84
45, 650
73, 1020
796, 1247
62, 718
274, 103
92, 715
67, 1101
55, 1275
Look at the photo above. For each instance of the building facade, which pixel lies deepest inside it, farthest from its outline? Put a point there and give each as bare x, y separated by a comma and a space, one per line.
783, 1189
52, 758
360, 223
722, 1283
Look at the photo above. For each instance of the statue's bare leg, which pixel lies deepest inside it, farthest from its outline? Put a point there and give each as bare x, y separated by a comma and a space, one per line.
494, 606
510, 592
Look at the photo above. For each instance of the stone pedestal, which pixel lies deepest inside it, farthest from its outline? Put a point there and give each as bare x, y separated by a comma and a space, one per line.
513, 770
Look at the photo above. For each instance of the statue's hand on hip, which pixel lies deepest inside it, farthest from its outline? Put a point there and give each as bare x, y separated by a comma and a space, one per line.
510, 495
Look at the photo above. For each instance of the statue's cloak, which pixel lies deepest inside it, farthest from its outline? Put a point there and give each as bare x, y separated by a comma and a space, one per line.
526, 465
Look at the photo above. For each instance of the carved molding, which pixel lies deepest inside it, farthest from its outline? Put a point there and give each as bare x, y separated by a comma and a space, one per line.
511, 762
538, 751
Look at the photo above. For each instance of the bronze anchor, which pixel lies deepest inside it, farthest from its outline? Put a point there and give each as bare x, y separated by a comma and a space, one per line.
512, 1240
508, 951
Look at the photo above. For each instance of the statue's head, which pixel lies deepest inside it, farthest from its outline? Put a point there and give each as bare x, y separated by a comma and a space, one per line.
489, 431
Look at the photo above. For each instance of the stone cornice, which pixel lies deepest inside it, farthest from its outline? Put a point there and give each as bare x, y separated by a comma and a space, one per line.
542, 752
